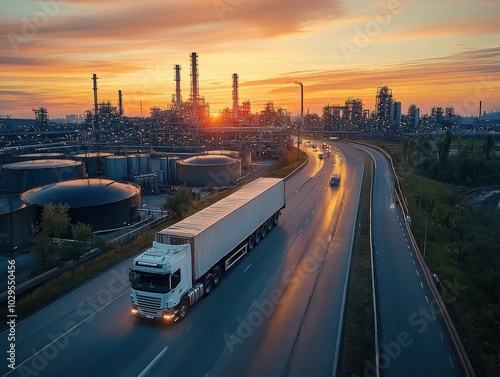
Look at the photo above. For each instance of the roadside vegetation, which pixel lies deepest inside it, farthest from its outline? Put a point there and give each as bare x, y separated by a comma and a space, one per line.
463, 240
55, 223
358, 341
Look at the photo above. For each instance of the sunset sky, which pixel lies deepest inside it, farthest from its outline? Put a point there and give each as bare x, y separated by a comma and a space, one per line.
429, 52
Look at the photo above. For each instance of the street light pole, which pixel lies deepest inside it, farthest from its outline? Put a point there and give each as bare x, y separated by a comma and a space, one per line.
301, 114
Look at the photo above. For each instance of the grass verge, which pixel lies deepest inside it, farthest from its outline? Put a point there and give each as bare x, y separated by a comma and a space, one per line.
358, 347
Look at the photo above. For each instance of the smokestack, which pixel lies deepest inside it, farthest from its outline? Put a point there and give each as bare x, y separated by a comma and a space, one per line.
480, 104
194, 84
120, 103
177, 78
96, 110
235, 96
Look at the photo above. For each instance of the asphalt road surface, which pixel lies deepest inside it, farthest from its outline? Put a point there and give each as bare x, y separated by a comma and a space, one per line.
414, 340
277, 312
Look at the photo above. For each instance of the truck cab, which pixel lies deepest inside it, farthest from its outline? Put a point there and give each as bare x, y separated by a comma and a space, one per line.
160, 278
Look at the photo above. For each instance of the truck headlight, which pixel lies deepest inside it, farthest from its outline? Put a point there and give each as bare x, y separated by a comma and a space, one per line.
168, 316
134, 310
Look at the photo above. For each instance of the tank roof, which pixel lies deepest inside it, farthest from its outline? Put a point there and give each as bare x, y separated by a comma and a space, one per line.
41, 164
82, 192
93, 154
208, 160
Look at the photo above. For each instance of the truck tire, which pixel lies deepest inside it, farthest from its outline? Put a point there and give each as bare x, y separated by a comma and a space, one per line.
270, 224
208, 284
258, 236
263, 229
183, 309
217, 275
276, 217
251, 242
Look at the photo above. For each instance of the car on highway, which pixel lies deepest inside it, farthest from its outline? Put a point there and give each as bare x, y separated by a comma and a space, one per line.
335, 180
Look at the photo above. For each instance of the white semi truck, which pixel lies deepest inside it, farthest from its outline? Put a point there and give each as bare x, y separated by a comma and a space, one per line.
187, 259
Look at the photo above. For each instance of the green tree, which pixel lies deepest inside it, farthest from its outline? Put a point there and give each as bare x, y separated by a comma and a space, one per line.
180, 202
54, 223
488, 146
443, 144
82, 236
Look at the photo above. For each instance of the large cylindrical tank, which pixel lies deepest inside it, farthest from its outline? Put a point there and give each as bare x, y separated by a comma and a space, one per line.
100, 202
225, 152
208, 171
16, 220
168, 167
24, 175
246, 159
132, 166
41, 156
94, 162
115, 167
143, 160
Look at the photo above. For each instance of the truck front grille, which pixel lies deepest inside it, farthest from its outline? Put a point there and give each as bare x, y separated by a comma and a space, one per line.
149, 305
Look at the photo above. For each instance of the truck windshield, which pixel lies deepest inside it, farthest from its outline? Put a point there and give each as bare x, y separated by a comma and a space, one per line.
144, 281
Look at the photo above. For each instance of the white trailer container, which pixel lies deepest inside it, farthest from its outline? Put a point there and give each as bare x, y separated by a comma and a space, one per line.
168, 278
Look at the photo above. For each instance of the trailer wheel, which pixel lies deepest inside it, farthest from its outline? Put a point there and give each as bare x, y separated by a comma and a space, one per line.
263, 229
251, 242
276, 217
183, 309
258, 236
217, 275
270, 224
208, 284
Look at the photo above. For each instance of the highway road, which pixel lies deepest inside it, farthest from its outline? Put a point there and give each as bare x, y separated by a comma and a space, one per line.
276, 312
414, 340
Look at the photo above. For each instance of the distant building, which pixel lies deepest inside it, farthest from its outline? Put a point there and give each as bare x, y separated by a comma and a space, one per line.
384, 109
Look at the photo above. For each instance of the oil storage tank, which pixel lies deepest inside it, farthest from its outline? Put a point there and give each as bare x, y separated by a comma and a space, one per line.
115, 167
89, 198
209, 171
93, 162
24, 175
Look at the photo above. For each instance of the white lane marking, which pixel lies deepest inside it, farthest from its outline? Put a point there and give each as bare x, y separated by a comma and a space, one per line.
411, 254
307, 220
247, 267
451, 362
426, 299
441, 335
152, 363
414, 262
417, 273
421, 285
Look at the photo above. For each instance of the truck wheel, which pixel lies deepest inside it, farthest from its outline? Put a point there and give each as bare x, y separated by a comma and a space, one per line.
276, 217
258, 236
270, 224
263, 229
208, 284
183, 309
251, 242
217, 275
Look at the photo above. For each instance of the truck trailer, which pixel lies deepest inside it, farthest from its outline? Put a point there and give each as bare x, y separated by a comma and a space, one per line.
187, 259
